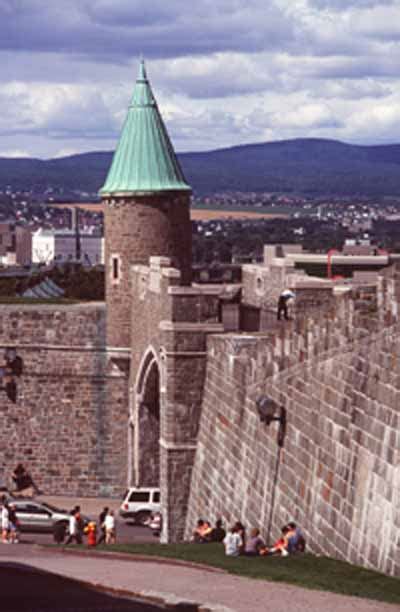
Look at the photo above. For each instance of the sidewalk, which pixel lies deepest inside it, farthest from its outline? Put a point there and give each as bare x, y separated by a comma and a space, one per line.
215, 591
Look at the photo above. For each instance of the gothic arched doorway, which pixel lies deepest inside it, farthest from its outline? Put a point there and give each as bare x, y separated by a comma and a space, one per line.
147, 424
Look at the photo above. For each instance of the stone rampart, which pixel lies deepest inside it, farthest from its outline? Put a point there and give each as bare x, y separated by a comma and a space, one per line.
69, 423
337, 375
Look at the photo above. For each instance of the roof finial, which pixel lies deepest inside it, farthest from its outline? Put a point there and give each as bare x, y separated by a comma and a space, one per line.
142, 76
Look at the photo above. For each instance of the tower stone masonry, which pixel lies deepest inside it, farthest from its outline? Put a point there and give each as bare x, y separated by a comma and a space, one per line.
147, 208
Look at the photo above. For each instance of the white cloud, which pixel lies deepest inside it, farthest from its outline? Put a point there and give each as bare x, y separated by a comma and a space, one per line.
379, 21
15, 153
56, 109
224, 72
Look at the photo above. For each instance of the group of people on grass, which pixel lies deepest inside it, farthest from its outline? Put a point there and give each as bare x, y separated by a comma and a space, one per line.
204, 532
237, 542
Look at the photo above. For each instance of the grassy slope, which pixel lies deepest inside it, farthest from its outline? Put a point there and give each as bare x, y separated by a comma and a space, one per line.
308, 571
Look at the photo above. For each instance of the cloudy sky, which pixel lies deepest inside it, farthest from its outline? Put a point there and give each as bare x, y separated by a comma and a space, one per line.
224, 72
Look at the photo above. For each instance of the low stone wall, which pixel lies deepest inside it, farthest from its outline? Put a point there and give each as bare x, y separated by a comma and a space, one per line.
76, 325
69, 423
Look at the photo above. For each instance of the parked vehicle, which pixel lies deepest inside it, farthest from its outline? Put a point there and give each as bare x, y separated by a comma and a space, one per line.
139, 503
39, 517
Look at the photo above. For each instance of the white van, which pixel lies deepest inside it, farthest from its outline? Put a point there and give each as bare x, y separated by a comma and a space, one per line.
139, 503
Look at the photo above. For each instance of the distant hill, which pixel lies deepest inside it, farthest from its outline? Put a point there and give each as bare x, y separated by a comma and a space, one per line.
312, 166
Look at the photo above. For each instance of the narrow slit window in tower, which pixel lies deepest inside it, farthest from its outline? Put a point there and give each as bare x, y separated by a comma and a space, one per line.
115, 268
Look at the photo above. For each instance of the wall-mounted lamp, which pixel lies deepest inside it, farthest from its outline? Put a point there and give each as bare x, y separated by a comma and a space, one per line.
268, 411
11, 368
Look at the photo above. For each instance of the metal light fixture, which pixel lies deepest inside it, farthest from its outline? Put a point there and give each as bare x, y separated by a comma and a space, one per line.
268, 411
11, 368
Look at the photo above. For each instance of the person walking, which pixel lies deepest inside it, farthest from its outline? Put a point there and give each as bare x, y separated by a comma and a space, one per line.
102, 518
109, 524
79, 524
284, 297
72, 528
5, 523
13, 524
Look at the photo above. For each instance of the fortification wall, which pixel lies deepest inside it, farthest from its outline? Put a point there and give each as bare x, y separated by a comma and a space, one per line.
171, 338
338, 474
69, 423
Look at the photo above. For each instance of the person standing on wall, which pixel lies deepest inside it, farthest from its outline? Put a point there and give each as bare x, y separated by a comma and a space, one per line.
284, 298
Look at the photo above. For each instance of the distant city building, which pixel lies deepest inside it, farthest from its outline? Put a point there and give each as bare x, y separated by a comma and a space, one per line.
15, 244
67, 245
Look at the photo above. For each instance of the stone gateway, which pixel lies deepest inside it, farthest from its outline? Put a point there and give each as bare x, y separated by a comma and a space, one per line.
159, 386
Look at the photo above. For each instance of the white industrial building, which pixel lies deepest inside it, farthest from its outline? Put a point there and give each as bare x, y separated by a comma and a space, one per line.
67, 245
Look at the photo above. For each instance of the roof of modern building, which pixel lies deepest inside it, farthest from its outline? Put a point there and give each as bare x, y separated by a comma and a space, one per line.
144, 161
45, 289
67, 233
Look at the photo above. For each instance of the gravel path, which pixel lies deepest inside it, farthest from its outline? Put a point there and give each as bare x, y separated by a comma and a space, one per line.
215, 590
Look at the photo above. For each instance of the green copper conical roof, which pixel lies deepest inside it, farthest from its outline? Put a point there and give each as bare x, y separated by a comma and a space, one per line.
144, 161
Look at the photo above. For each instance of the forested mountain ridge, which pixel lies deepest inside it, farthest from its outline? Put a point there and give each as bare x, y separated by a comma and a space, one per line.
311, 166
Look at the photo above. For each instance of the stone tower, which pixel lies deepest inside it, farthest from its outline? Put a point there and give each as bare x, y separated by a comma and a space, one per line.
146, 208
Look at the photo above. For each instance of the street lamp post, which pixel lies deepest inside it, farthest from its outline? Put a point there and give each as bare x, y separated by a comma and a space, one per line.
269, 411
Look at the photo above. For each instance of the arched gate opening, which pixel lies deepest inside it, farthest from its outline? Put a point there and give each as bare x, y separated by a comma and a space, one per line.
147, 424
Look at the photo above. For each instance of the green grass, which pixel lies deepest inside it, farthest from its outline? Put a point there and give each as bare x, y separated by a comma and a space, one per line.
308, 571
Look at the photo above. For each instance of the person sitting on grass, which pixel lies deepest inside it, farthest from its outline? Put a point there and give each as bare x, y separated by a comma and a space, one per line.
241, 529
202, 533
296, 540
254, 543
218, 533
280, 546
233, 542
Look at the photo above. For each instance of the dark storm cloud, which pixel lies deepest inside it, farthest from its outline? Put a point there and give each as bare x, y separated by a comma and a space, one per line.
126, 28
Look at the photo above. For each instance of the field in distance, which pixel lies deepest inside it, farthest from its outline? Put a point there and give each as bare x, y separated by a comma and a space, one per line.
199, 214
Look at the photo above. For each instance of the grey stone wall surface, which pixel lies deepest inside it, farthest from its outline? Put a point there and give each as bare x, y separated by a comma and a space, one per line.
337, 476
137, 228
69, 423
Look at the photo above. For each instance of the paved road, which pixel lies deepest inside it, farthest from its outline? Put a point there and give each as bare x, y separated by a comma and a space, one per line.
215, 590
26, 589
